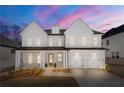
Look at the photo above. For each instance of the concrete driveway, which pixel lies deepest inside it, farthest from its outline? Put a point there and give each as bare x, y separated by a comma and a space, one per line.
97, 78
91, 78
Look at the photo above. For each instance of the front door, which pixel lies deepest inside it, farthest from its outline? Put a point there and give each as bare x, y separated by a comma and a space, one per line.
50, 60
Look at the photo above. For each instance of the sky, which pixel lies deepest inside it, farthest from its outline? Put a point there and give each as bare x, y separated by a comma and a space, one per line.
98, 17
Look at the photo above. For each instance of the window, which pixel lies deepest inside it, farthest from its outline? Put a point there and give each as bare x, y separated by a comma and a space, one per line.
38, 41
117, 54
38, 58
107, 42
113, 54
50, 42
72, 40
60, 42
95, 41
29, 41
59, 57
83, 40
30, 58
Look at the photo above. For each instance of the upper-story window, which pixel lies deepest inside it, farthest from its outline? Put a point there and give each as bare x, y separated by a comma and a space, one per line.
95, 40
72, 40
83, 40
29, 41
60, 42
38, 41
50, 42
107, 42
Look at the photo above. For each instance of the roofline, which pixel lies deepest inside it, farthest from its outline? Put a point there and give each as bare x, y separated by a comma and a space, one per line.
75, 21
29, 24
57, 48
111, 35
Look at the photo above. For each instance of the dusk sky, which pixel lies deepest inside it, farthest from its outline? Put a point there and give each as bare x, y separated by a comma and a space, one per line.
99, 18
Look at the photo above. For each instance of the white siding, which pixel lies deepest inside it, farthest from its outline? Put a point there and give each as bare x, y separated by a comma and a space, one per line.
34, 36
79, 35
116, 43
7, 59
55, 41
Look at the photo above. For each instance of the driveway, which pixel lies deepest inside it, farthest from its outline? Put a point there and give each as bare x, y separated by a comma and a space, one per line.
97, 78
91, 78
84, 78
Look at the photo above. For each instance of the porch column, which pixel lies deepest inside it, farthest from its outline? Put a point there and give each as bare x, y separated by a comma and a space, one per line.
41, 63
16, 60
66, 59
43, 59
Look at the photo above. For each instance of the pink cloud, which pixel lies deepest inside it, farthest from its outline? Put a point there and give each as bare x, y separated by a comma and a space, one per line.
79, 13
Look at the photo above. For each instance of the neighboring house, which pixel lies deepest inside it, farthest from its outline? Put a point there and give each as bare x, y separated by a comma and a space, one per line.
114, 41
7, 56
76, 47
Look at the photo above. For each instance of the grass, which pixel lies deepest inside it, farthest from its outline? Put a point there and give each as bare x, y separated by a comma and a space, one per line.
41, 81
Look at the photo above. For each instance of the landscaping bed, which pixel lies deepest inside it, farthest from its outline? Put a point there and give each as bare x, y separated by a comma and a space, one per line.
22, 73
62, 70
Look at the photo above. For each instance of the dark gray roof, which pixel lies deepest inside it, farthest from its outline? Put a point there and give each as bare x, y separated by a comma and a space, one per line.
56, 48
49, 32
4, 41
113, 31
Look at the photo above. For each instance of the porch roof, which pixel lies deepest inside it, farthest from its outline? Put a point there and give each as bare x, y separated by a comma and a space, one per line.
57, 48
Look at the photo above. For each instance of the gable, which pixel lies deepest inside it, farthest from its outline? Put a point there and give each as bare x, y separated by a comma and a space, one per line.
33, 28
79, 27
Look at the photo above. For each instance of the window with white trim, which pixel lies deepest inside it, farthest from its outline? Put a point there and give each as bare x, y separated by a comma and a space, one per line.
60, 42
29, 41
50, 42
59, 57
38, 58
38, 42
83, 40
30, 59
72, 40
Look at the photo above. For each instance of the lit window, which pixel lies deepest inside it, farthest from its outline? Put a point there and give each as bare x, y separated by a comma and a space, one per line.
95, 41
38, 42
30, 58
83, 40
50, 42
72, 40
59, 42
38, 58
59, 57
29, 42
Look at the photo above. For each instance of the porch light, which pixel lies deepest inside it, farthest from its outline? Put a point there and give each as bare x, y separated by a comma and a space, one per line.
76, 53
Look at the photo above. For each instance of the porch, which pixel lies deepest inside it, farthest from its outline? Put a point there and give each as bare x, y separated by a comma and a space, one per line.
40, 59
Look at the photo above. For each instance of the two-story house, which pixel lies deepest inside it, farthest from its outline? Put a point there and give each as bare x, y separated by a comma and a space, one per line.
76, 47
